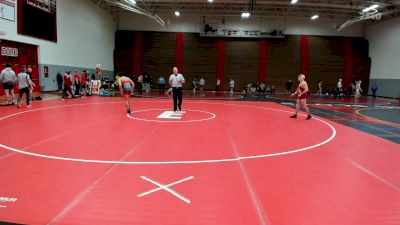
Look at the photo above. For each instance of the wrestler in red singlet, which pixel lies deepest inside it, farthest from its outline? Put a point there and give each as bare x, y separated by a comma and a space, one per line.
301, 93
126, 86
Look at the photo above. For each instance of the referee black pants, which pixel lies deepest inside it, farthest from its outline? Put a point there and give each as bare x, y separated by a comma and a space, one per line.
177, 94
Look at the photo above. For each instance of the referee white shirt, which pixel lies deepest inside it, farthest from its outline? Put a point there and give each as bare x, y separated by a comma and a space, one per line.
176, 80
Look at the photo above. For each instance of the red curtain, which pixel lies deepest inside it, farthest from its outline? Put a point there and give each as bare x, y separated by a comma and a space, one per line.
262, 70
179, 51
137, 54
221, 61
305, 56
348, 63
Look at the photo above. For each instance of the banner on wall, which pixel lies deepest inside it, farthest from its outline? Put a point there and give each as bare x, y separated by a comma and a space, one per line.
7, 10
9, 51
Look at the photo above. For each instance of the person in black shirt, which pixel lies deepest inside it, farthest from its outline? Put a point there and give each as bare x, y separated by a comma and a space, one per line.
59, 81
146, 83
289, 85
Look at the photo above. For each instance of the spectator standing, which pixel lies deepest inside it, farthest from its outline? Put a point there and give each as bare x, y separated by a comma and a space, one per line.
161, 84
29, 72
84, 81
358, 90
319, 92
77, 81
8, 78
24, 85
68, 85
289, 85
202, 82
232, 85
194, 84
141, 85
217, 85
146, 82
150, 86
353, 88
374, 89
59, 81
339, 89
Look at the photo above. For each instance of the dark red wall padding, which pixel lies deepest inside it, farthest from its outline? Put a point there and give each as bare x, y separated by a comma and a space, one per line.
179, 51
137, 53
348, 63
305, 56
221, 60
262, 71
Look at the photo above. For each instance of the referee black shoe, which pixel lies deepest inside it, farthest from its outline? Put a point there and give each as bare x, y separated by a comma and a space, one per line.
128, 111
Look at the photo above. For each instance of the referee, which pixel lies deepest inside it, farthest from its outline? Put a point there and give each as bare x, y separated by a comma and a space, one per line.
176, 80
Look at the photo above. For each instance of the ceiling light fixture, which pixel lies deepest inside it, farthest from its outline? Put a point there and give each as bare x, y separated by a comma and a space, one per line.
135, 9
245, 14
372, 7
177, 13
210, 1
293, 2
133, 2
314, 17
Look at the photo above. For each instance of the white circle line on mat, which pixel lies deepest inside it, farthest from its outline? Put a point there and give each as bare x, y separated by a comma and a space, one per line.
332, 136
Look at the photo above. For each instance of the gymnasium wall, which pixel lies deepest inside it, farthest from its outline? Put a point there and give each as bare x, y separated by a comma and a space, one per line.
85, 38
192, 24
244, 60
384, 39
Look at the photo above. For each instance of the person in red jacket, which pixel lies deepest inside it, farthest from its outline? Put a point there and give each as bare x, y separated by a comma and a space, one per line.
84, 81
67, 85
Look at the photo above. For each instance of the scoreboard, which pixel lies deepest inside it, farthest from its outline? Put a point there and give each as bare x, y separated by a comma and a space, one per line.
38, 18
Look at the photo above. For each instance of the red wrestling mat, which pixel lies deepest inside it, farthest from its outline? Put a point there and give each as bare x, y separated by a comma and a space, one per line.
217, 162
